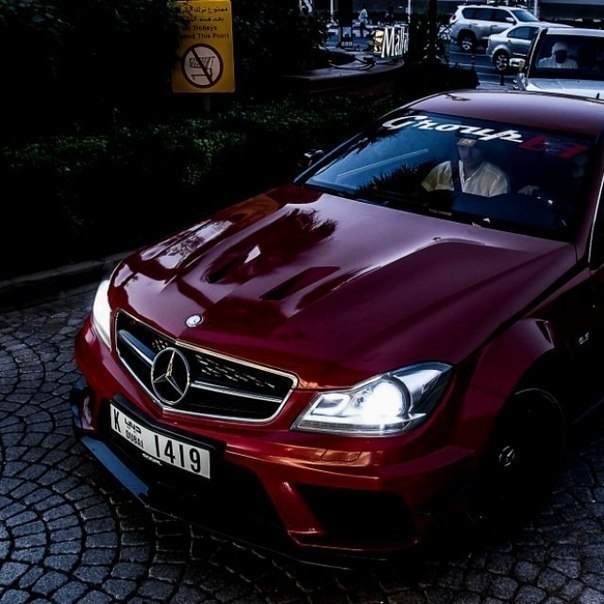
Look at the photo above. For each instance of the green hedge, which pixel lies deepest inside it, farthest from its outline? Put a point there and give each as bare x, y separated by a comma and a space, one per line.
75, 197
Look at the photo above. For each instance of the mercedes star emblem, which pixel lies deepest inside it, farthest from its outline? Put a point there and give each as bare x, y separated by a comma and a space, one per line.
194, 321
170, 376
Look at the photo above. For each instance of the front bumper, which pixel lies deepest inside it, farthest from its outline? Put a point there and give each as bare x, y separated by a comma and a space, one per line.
314, 497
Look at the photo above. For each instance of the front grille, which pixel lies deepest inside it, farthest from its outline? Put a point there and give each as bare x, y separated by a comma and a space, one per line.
218, 386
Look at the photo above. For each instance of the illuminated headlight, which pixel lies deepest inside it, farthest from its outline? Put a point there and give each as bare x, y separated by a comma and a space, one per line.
388, 404
101, 312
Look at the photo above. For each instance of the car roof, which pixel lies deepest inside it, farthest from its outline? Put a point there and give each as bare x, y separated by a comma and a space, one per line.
555, 112
486, 6
575, 32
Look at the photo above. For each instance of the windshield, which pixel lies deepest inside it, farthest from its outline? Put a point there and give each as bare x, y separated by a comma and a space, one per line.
524, 16
570, 57
493, 174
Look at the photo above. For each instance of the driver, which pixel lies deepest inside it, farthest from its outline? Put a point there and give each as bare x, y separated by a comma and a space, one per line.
469, 173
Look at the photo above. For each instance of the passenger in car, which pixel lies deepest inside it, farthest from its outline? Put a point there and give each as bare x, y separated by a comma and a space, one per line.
558, 58
469, 173
561, 192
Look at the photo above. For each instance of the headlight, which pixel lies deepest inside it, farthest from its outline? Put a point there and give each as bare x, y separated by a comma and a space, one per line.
387, 404
101, 312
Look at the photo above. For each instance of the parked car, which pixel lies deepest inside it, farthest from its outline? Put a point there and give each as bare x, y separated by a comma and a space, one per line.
511, 43
473, 24
565, 60
397, 338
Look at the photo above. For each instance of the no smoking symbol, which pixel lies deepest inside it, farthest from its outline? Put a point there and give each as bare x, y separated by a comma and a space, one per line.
202, 66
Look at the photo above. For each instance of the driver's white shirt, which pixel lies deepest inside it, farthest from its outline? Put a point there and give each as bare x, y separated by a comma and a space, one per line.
488, 180
551, 62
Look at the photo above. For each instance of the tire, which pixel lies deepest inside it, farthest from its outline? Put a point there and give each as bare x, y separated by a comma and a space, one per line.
521, 462
501, 61
466, 42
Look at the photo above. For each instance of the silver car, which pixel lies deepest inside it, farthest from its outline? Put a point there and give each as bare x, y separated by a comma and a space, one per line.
512, 43
473, 24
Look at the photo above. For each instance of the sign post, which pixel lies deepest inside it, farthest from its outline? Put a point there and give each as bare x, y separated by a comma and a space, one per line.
206, 52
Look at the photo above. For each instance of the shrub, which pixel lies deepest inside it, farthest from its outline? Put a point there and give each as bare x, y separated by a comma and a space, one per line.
75, 197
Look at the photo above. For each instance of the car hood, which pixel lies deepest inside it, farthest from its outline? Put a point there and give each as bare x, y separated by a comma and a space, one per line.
583, 88
335, 290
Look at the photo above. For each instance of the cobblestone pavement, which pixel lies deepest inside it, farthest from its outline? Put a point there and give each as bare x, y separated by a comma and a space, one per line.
68, 533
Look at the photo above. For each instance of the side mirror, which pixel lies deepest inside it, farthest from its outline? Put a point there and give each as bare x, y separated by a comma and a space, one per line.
510, 20
312, 156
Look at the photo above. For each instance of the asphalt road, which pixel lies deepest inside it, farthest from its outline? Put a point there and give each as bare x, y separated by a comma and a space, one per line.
487, 75
68, 533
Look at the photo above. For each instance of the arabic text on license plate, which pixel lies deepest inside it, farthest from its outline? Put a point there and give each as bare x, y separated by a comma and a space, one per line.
164, 448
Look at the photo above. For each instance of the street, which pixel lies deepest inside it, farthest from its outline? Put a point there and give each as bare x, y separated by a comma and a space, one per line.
68, 533
487, 75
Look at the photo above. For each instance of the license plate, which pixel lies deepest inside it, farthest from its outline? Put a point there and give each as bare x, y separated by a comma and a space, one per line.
166, 449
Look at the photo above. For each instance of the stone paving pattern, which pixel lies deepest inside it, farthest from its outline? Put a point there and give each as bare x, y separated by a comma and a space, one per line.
68, 533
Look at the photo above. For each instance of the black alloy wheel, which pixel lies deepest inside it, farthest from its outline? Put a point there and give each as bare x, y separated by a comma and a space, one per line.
522, 461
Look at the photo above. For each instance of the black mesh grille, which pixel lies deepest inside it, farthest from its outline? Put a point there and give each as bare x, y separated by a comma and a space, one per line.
219, 386
369, 516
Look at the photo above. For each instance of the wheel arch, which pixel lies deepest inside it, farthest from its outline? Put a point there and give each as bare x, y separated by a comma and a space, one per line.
523, 353
466, 32
499, 49
523, 357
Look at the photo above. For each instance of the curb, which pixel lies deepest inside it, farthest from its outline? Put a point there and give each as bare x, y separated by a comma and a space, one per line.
67, 276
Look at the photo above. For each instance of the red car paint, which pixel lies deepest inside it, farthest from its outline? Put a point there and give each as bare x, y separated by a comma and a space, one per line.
334, 292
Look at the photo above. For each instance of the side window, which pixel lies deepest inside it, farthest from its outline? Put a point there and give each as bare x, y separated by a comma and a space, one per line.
499, 16
483, 14
523, 33
469, 13
518, 33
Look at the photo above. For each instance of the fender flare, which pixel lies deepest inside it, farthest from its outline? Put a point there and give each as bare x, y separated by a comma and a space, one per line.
503, 366
507, 359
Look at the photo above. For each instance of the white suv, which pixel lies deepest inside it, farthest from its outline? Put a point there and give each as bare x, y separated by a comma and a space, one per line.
473, 24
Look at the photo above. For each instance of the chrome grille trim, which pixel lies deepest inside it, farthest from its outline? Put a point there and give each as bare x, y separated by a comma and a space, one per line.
224, 390
137, 347
161, 340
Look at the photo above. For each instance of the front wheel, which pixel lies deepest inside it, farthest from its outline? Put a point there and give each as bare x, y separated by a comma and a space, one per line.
501, 61
522, 461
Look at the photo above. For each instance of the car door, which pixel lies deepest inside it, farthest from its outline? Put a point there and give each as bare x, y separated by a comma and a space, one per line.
500, 20
520, 40
585, 320
484, 23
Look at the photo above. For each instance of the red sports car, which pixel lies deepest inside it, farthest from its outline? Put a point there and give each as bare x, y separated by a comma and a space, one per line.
401, 336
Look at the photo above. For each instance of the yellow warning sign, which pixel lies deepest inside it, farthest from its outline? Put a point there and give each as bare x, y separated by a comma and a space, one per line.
206, 52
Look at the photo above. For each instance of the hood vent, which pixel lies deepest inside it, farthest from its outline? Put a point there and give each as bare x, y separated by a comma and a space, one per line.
308, 277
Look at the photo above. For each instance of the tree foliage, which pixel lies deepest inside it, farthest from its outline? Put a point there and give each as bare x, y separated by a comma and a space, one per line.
68, 61
64, 59
273, 37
